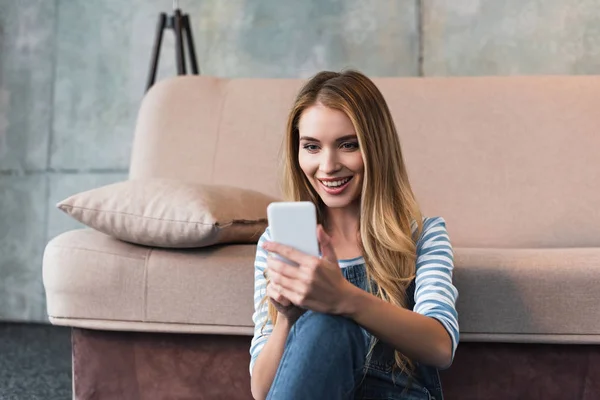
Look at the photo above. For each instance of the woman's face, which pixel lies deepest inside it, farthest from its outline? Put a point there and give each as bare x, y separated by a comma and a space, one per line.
329, 155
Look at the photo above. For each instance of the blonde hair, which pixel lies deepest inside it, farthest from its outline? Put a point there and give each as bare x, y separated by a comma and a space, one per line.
387, 206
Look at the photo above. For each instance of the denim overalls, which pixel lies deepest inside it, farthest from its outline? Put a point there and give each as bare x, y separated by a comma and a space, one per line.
324, 359
380, 367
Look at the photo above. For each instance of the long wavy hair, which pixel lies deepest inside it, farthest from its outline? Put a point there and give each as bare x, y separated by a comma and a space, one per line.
388, 207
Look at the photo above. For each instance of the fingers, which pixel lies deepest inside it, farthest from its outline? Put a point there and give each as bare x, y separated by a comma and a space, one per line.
274, 292
287, 252
283, 281
286, 287
284, 302
281, 268
292, 296
288, 292
327, 250
304, 271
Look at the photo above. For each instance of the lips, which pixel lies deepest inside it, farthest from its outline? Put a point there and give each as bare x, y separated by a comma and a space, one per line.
335, 186
335, 182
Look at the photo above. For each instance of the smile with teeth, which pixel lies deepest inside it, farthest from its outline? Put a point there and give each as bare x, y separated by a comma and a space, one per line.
334, 184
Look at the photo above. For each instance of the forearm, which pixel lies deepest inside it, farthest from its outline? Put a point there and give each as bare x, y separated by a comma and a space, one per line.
420, 338
268, 360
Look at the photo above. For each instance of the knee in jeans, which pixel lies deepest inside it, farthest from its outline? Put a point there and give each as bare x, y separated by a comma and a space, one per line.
327, 324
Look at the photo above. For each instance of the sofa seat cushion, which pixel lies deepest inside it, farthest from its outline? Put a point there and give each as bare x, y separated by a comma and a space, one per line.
95, 281
529, 295
505, 295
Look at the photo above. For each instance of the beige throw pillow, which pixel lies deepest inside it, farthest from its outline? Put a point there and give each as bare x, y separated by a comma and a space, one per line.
167, 213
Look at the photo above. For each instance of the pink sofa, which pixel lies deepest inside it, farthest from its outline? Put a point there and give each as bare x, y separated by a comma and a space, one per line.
511, 163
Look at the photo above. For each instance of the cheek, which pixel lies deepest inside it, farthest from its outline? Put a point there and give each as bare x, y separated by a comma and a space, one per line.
307, 165
356, 164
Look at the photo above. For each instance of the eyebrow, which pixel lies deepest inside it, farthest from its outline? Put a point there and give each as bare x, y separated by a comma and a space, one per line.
343, 138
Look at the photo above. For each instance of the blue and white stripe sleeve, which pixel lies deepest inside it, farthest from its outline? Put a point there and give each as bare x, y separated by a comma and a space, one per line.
262, 326
435, 294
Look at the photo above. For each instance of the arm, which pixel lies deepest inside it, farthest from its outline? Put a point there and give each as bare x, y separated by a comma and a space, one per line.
268, 342
267, 362
429, 334
420, 338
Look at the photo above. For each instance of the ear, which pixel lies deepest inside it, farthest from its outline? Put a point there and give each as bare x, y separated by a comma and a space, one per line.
327, 250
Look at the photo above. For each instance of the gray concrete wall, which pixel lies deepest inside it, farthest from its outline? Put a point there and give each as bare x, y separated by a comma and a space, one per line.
72, 73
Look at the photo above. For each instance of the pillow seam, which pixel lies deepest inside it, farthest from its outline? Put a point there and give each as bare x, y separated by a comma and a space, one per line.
165, 219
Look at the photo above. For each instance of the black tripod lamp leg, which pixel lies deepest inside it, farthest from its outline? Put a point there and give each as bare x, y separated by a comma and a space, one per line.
160, 28
179, 55
190, 43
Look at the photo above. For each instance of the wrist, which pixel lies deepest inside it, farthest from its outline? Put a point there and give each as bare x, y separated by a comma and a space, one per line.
352, 299
283, 321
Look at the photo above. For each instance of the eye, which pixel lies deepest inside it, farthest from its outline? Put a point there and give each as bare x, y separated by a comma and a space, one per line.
311, 148
349, 145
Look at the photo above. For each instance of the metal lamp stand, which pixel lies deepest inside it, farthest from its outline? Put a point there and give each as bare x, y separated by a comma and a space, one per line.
180, 23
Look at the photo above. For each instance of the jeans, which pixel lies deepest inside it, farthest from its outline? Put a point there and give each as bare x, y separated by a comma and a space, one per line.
325, 358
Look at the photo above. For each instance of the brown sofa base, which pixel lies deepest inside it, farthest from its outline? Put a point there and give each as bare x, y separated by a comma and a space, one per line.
153, 366
523, 371
156, 366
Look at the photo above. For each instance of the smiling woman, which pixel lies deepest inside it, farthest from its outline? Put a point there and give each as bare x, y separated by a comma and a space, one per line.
374, 316
330, 157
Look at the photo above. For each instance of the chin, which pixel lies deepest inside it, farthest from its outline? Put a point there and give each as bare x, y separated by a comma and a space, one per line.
338, 201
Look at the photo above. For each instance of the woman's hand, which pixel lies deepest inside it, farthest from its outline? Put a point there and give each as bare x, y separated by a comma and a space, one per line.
285, 308
316, 283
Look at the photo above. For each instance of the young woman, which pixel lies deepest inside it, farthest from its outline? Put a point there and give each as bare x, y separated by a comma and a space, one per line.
374, 317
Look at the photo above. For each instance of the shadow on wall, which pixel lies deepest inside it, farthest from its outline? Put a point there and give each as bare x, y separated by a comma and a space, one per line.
4, 103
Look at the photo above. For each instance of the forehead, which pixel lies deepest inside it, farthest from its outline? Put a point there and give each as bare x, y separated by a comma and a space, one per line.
322, 122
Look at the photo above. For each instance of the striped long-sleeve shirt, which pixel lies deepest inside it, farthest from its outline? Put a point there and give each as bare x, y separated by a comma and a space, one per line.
435, 295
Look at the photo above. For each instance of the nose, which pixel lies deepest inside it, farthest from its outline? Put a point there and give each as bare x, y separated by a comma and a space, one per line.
329, 163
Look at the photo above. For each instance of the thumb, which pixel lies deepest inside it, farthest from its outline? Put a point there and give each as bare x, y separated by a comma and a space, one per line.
325, 243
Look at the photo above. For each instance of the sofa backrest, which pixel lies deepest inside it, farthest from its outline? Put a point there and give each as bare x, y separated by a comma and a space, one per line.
509, 162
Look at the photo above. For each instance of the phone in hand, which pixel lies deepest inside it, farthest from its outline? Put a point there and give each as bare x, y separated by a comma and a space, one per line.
294, 224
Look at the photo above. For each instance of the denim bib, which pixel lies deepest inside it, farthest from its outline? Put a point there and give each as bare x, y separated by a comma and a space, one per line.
381, 363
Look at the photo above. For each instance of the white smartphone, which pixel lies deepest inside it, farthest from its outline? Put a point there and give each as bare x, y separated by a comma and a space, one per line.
294, 224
